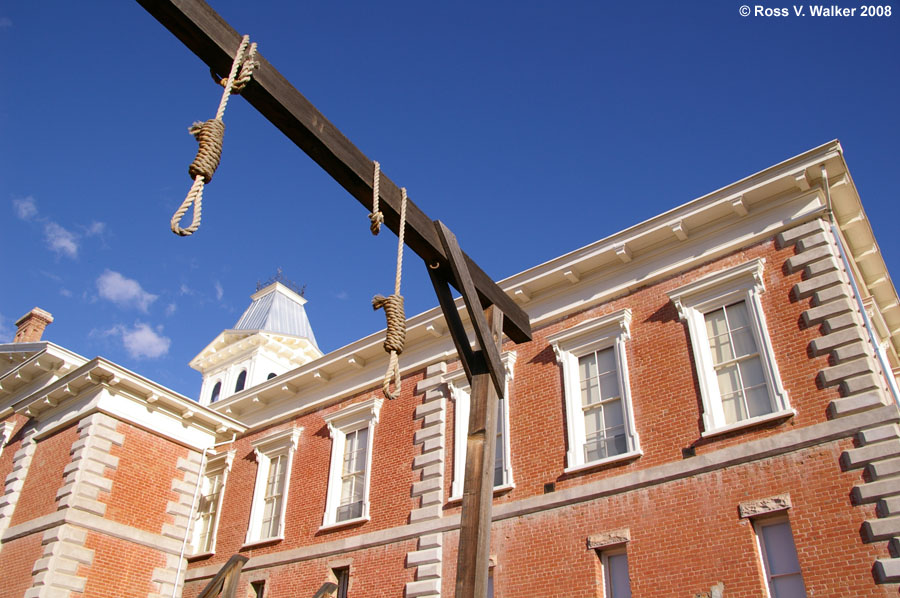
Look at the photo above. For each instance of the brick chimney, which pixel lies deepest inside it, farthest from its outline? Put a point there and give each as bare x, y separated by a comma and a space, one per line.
31, 326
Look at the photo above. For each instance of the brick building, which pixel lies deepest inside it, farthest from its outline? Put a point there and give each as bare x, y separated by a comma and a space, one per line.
707, 408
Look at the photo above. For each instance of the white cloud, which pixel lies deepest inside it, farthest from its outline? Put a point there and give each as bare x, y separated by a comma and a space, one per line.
26, 209
60, 240
95, 229
65, 292
220, 292
185, 290
142, 341
342, 295
124, 292
171, 309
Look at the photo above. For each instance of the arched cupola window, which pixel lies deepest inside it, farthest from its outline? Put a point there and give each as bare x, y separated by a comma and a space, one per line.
241, 381
216, 391
270, 376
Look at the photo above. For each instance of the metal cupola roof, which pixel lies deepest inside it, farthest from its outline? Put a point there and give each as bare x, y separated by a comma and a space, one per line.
276, 308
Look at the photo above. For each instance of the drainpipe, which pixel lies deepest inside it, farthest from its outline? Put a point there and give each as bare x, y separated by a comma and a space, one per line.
187, 530
879, 352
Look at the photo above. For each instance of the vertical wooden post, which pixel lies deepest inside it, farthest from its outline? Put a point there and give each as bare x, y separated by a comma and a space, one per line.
478, 486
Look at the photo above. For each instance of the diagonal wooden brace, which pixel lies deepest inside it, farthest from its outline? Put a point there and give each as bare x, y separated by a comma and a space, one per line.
487, 344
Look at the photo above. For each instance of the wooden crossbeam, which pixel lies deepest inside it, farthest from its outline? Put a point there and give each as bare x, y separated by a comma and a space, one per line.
214, 41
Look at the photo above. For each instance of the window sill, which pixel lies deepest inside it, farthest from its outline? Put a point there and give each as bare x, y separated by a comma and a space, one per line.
200, 555
594, 464
497, 491
747, 423
345, 523
262, 542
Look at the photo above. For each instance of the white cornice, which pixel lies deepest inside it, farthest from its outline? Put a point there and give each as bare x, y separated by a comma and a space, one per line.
746, 212
100, 373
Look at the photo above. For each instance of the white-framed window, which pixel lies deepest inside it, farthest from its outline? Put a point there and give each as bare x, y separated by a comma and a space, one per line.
599, 417
616, 581
209, 503
739, 381
459, 392
352, 431
779, 558
274, 458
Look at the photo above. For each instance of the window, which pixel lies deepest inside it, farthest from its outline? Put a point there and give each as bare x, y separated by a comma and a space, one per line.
209, 505
616, 582
271, 375
274, 457
459, 391
342, 577
241, 381
351, 431
779, 558
258, 589
216, 391
600, 424
739, 381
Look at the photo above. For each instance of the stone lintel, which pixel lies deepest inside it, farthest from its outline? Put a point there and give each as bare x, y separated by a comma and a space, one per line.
763, 506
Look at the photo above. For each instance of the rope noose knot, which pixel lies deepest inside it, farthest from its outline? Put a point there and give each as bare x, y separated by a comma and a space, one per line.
395, 338
209, 136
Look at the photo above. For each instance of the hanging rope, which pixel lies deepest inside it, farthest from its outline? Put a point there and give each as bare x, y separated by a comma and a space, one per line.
209, 137
376, 217
395, 336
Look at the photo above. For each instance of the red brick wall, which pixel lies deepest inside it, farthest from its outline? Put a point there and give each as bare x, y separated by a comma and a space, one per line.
664, 388
687, 535
120, 568
142, 482
377, 572
392, 475
19, 556
45, 476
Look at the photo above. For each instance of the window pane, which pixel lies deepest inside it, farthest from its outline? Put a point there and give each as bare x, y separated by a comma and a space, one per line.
788, 587
780, 552
717, 333
780, 561
758, 402
606, 360
590, 392
609, 385
617, 583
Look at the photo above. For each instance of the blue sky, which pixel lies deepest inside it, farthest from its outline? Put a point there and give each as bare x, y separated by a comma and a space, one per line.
531, 129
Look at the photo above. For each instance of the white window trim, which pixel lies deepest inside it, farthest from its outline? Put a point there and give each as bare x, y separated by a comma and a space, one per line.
347, 420
220, 463
743, 282
460, 393
284, 442
612, 330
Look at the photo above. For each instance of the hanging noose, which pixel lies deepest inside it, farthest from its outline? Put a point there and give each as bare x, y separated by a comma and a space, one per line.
395, 336
209, 136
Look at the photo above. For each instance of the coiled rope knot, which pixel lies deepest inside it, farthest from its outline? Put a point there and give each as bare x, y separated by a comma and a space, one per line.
394, 339
396, 321
209, 136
